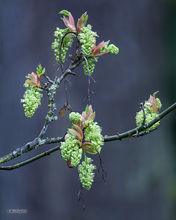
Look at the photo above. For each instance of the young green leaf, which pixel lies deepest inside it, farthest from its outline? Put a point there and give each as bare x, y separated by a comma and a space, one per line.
64, 12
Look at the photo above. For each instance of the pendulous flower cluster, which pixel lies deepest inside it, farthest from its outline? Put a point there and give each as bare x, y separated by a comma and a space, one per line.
86, 174
83, 137
32, 96
151, 108
67, 42
86, 38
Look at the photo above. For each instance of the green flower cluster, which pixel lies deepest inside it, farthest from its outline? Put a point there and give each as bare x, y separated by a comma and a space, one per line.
67, 42
149, 117
32, 96
71, 151
31, 99
87, 40
93, 135
151, 108
84, 136
86, 174
75, 117
112, 49
89, 66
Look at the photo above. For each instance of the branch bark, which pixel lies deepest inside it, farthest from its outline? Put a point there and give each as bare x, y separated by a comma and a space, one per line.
136, 130
46, 153
39, 142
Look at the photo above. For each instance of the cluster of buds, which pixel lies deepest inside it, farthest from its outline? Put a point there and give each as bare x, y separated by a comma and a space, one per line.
83, 137
151, 110
32, 96
87, 40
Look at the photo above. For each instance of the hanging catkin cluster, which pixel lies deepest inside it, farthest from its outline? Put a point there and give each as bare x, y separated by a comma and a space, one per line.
84, 137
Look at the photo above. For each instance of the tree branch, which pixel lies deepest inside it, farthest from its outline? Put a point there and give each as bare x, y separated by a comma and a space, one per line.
133, 131
28, 147
39, 142
46, 153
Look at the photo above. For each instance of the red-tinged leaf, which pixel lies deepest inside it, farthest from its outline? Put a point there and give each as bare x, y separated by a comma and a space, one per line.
69, 22
81, 22
69, 164
88, 112
87, 143
93, 116
91, 150
34, 79
38, 80
71, 131
90, 109
96, 49
79, 25
78, 129
85, 147
31, 82
153, 102
84, 116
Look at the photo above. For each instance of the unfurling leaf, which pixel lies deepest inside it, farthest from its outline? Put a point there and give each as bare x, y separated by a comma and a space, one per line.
64, 12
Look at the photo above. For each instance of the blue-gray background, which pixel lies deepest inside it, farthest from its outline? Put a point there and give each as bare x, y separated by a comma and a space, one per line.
141, 172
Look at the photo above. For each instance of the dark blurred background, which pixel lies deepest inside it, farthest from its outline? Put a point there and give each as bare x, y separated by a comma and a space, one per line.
141, 172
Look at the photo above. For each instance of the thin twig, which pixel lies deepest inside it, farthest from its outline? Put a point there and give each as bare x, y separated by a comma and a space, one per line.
143, 110
48, 79
88, 77
60, 49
